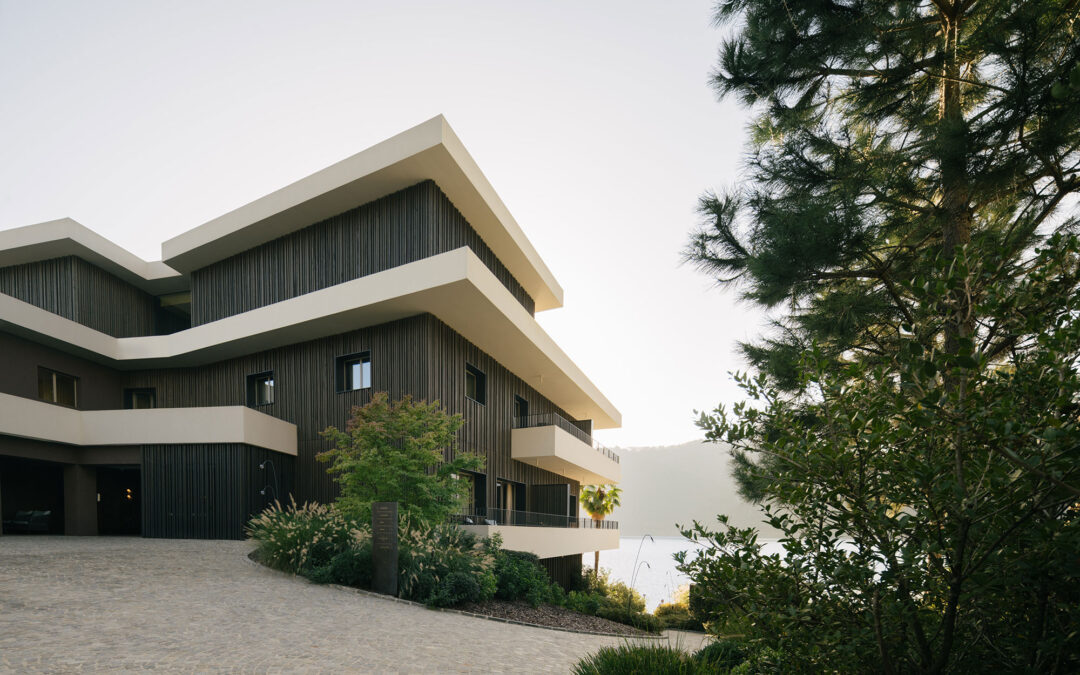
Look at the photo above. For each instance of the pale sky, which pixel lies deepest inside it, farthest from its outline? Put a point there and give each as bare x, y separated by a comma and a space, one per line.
592, 120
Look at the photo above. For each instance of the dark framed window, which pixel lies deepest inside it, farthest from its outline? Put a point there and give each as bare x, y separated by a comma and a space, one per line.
475, 384
353, 372
139, 399
58, 388
476, 499
510, 497
521, 411
260, 389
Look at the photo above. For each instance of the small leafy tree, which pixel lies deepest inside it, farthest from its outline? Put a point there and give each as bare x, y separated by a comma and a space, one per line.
403, 451
599, 501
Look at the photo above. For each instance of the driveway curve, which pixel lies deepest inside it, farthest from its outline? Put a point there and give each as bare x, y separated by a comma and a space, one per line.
74, 604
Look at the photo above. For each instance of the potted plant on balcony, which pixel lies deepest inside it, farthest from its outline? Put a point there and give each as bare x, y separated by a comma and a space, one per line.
599, 501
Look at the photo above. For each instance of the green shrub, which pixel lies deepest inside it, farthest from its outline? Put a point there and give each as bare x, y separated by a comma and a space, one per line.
625, 659
677, 616
519, 576
300, 539
641, 620
444, 565
722, 655
351, 567
583, 602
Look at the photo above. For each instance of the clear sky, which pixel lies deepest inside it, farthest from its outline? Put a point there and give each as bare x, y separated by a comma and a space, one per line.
593, 121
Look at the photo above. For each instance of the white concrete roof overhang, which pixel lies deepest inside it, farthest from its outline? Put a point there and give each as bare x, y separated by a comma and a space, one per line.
64, 237
429, 150
455, 286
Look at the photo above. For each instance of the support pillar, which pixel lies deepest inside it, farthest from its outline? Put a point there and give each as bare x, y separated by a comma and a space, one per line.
80, 500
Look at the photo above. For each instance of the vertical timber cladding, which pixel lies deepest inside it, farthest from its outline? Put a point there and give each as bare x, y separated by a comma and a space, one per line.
304, 387
208, 491
488, 426
564, 570
409, 225
418, 356
84, 293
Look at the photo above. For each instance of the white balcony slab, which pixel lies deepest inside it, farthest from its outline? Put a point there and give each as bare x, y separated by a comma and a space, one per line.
550, 542
554, 449
37, 420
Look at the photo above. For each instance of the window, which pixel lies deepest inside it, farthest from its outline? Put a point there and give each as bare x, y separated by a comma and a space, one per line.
58, 388
476, 496
139, 399
475, 384
521, 412
260, 389
353, 372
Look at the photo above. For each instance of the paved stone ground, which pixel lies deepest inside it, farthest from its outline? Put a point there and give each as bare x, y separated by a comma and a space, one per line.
130, 604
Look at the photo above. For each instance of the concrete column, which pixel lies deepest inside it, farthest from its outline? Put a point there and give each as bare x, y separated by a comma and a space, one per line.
80, 500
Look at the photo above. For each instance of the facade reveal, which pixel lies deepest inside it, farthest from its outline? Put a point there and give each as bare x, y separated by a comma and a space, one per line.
178, 398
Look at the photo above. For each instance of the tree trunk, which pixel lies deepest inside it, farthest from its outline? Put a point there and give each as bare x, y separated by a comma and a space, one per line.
596, 566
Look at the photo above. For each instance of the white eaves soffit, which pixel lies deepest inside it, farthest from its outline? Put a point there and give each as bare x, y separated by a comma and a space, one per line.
455, 286
429, 150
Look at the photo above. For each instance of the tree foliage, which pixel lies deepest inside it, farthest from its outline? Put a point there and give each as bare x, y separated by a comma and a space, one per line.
909, 218
403, 451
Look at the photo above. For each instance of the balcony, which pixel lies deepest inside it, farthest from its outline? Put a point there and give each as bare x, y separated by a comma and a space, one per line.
37, 420
545, 534
553, 443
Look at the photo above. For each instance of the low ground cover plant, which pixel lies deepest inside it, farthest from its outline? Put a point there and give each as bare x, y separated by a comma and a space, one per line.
727, 656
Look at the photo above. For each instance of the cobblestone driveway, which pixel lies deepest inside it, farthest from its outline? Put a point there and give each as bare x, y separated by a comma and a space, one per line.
128, 604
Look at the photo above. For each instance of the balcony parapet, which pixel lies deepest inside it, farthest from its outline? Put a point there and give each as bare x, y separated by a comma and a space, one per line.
557, 420
553, 443
544, 534
38, 420
529, 519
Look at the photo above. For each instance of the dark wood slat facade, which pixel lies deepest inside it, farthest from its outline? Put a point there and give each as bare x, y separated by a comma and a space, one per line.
419, 356
87, 294
409, 225
212, 490
208, 491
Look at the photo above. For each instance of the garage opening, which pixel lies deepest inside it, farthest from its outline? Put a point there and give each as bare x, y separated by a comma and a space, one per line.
31, 496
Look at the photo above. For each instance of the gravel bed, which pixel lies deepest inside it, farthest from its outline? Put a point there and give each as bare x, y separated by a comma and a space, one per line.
549, 615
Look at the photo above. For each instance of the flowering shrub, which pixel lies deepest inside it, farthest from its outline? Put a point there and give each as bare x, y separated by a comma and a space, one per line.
443, 566
301, 539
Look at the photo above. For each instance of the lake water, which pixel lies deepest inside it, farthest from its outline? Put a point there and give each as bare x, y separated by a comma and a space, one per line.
657, 578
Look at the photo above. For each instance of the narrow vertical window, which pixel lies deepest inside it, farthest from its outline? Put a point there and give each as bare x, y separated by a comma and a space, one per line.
353, 372
475, 384
521, 412
260, 389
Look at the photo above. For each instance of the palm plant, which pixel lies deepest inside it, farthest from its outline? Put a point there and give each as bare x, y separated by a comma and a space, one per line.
599, 501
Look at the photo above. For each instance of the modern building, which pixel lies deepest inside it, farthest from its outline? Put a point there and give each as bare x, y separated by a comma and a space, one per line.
177, 398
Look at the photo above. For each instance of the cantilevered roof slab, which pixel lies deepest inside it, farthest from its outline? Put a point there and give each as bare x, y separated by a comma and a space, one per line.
455, 286
428, 151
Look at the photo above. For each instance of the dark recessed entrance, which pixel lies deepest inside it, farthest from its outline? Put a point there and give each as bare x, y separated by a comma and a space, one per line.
31, 496
119, 500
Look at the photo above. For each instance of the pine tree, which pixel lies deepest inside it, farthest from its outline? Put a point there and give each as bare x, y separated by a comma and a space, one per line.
908, 214
889, 134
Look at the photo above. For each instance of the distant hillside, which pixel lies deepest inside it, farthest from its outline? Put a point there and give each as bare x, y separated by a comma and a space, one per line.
678, 484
